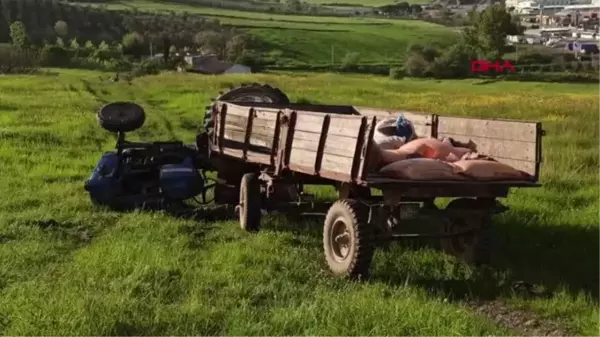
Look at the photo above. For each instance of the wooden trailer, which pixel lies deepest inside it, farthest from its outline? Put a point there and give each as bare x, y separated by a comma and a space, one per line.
287, 147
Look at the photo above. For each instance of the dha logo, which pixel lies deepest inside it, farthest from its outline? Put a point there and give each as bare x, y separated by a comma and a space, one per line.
483, 66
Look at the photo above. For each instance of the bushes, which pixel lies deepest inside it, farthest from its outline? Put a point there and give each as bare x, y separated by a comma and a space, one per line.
55, 56
15, 61
425, 61
396, 73
147, 67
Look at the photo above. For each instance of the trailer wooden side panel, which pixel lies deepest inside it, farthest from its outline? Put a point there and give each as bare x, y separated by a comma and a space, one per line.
515, 143
326, 145
247, 132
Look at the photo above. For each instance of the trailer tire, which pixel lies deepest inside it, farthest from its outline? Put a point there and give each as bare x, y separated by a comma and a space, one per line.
121, 117
346, 221
474, 248
250, 203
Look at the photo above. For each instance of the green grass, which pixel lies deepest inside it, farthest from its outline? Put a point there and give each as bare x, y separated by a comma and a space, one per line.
310, 40
69, 268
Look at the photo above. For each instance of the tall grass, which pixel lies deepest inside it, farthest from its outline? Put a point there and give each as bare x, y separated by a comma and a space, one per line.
69, 268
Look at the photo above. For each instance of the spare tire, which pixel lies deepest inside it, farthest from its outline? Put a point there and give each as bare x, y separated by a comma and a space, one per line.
245, 93
121, 117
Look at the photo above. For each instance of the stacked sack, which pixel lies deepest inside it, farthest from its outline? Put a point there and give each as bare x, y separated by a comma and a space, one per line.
401, 154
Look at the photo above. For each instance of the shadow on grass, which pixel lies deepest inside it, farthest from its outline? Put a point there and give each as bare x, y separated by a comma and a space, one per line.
546, 256
531, 260
550, 254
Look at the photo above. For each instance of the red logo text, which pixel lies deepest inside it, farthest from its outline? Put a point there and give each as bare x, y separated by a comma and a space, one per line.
483, 66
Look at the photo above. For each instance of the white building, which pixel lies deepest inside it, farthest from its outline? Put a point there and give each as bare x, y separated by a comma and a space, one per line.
531, 6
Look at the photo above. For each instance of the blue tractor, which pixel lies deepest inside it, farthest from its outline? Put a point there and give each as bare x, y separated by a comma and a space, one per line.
161, 174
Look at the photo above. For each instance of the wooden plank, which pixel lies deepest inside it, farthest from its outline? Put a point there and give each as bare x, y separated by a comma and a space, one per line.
494, 129
302, 157
336, 164
240, 122
266, 114
334, 144
236, 110
309, 123
308, 145
252, 157
498, 148
305, 135
340, 146
339, 125
348, 127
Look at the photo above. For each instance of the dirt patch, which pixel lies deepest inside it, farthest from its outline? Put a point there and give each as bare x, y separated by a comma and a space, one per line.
522, 322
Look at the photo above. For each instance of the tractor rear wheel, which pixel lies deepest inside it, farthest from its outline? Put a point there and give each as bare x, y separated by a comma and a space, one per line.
248, 92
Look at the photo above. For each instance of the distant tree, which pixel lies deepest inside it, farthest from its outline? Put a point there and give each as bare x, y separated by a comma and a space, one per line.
488, 30
294, 5
213, 42
236, 45
403, 6
103, 46
350, 59
18, 35
416, 9
134, 44
75, 44
61, 28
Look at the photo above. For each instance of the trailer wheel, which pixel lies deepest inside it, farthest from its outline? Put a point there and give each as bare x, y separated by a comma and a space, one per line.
250, 203
474, 247
347, 239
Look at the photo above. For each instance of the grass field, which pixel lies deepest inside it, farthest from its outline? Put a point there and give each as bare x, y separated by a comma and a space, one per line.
307, 39
69, 268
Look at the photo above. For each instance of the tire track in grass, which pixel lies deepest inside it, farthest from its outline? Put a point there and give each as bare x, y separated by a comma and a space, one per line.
524, 322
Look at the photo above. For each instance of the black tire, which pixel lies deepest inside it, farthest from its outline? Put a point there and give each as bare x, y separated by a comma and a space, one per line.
474, 248
250, 203
347, 220
247, 92
121, 117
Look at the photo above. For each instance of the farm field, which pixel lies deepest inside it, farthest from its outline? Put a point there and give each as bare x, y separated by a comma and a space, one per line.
310, 39
69, 268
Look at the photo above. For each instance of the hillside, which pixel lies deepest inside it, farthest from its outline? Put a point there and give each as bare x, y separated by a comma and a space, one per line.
313, 40
67, 268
